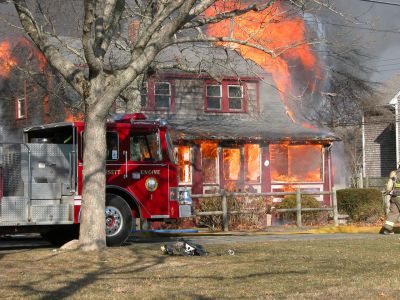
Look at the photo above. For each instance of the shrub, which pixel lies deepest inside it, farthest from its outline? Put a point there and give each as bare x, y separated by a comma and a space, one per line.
363, 205
258, 205
307, 217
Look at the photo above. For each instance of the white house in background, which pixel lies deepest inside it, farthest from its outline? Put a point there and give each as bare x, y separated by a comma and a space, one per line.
380, 142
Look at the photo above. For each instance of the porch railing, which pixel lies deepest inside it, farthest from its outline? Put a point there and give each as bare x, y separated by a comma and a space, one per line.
226, 213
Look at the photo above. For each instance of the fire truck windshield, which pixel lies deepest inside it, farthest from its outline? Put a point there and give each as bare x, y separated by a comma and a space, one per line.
145, 147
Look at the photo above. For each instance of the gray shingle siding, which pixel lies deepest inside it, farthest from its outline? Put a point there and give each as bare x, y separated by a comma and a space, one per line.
380, 147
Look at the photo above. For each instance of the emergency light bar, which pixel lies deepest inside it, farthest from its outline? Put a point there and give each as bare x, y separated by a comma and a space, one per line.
128, 118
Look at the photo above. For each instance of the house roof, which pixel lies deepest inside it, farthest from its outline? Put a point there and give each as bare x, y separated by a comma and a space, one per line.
246, 130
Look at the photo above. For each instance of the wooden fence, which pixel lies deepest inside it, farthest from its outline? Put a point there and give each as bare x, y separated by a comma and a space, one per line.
225, 212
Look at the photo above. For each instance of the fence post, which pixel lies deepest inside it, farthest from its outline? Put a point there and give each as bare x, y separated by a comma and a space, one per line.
298, 208
335, 209
225, 221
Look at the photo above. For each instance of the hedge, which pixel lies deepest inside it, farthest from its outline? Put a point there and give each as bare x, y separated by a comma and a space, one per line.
363, 205
307, 217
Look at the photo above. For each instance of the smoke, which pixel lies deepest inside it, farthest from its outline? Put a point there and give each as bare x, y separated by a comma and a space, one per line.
340, 168
371, 28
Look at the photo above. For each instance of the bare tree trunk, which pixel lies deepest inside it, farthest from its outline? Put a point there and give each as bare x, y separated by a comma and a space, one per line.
133, 104
92, 235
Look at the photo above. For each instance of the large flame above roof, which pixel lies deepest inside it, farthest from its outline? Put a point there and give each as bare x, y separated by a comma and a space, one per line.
7, 61
280, 30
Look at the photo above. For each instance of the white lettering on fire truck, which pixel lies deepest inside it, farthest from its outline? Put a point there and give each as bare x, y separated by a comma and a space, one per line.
113, 172
150, 172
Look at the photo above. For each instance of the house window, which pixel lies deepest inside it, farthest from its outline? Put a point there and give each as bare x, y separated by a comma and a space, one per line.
252, 162
214, 96
209, 154
296, 163
231, 157
157, 96
184, 166
21, 107
162, 95
143, 96
224, 97
235, 97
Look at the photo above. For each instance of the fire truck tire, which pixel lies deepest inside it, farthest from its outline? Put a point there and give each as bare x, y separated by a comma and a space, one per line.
119, 220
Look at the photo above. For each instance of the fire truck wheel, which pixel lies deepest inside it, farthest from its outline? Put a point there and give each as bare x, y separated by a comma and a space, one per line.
119, 220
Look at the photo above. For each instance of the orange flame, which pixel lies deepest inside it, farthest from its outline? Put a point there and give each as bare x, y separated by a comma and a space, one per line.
209, 152
252, 156
231, 161
296, 163
71, 117
7, 62
9, 58
34, 52
184, 164
272, 29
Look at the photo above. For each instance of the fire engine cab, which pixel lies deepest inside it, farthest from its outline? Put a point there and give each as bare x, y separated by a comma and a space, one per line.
41, 179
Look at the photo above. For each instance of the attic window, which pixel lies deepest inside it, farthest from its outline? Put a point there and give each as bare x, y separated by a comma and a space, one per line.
235, 97
157, 95
225, 97
162, 95
214, 95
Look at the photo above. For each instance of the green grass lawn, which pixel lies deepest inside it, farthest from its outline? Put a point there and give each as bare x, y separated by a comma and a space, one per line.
320, 269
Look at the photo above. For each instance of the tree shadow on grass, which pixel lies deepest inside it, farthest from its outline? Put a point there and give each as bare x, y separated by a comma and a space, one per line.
74, 286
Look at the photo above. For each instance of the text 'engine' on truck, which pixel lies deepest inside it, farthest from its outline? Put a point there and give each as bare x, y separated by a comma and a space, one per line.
41, 179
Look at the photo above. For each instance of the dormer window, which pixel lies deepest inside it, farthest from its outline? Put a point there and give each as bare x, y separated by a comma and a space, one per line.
224, 97
162, 95
157, 95
235, 97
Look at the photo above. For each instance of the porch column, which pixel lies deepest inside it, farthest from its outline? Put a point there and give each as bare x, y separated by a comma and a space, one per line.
265, 169
197, 181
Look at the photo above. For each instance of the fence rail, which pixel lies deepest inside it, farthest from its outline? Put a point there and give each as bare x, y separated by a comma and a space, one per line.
226, 213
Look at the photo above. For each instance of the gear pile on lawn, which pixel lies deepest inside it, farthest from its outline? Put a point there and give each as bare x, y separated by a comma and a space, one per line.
183, 248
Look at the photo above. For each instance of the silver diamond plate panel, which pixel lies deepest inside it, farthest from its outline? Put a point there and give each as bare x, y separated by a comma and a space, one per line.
49, 214
50, 163
13, 181
14, 209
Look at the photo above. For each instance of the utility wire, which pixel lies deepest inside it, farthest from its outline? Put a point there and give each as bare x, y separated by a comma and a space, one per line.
381, 2
356, 27
374, 60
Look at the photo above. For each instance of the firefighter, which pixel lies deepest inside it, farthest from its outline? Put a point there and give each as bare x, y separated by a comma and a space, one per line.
393, 195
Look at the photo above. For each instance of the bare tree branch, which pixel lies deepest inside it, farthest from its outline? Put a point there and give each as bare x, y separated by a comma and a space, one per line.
67, 69
93, 62
225, 15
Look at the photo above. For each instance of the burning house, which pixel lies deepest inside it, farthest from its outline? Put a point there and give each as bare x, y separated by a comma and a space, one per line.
235, 134
237, 129
235, 126
30, 90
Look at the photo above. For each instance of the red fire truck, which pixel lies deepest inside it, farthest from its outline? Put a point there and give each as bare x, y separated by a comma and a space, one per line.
41, 179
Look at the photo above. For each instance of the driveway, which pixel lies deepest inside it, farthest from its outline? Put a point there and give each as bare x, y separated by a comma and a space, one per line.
11, 242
